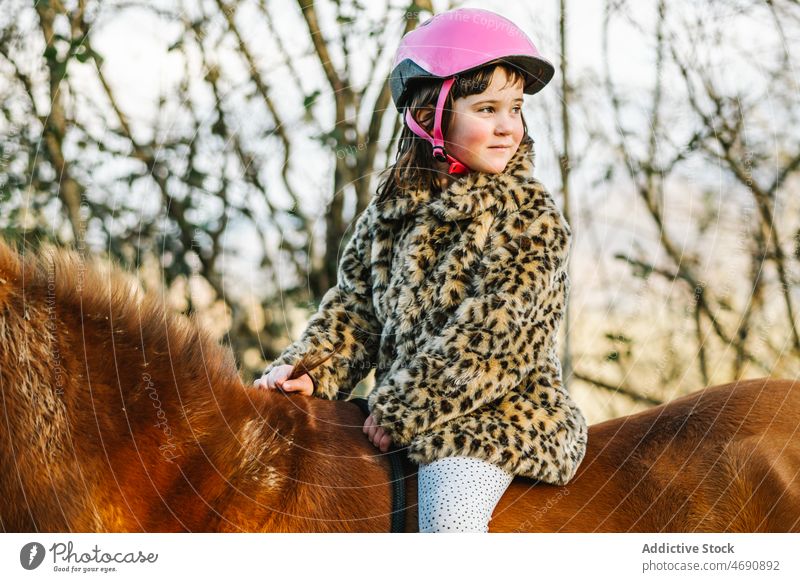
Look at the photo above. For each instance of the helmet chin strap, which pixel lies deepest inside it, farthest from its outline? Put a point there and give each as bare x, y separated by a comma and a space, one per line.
437, 141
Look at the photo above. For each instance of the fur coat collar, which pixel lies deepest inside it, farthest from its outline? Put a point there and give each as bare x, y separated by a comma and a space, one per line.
471, 194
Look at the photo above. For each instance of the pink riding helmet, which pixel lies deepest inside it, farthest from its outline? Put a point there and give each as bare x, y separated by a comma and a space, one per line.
456, 42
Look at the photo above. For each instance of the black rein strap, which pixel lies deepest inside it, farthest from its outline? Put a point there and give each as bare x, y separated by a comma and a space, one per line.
398, 477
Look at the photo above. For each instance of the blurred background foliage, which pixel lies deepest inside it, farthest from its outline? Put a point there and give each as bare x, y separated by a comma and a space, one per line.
222, 149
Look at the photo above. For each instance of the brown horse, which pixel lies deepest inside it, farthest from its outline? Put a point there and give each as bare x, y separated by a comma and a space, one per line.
117, 416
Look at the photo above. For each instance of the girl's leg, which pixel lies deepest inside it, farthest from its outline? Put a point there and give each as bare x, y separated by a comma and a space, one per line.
458, 494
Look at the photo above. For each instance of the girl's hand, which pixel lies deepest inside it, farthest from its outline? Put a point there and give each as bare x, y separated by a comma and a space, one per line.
277, 378
376, 434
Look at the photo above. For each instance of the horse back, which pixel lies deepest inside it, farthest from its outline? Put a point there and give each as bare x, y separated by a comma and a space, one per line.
725, 458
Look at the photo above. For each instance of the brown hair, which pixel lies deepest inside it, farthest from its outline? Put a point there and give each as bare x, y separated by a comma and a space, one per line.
415, 167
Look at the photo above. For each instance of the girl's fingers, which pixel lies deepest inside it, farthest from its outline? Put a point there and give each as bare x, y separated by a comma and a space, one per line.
275, 379
296, 386
282, 376
378, 436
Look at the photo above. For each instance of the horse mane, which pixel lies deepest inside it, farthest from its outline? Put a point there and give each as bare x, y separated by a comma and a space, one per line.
68, 282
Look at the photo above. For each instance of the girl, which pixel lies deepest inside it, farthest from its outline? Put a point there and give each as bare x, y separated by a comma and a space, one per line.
454, 282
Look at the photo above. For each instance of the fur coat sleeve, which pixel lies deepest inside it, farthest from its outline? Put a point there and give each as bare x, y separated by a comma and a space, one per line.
345, 320
495, 340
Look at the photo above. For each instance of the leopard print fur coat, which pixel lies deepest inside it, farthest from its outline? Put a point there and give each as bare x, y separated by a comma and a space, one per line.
456, 298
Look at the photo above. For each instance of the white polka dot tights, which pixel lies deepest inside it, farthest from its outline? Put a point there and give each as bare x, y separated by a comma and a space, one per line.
459, 494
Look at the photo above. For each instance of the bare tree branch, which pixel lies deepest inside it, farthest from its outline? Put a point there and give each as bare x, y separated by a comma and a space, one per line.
634, 395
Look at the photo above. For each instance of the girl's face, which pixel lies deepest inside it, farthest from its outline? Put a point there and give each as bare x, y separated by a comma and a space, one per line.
486, 129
